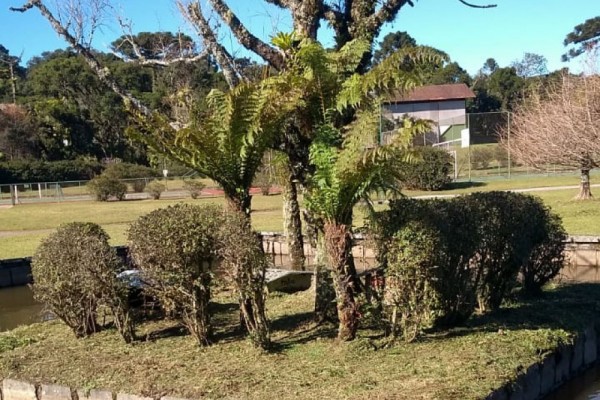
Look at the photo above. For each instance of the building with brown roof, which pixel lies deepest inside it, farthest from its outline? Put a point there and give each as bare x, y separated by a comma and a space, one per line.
444, 105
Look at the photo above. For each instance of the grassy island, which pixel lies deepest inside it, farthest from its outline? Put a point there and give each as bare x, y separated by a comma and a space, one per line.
307, 361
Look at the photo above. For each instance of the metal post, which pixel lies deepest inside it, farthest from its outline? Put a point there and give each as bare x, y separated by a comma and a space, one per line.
508, 140
469, 148
13, 200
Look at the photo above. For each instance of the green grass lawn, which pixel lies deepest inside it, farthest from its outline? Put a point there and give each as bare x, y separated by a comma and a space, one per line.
306, 362
34, 221
22, 227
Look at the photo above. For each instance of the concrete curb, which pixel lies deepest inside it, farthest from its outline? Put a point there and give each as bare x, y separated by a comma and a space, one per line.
12, 389
555, 369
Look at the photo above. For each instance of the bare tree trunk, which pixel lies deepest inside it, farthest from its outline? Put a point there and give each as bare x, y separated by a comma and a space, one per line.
585, 192
13, 82
338, 242
292, 226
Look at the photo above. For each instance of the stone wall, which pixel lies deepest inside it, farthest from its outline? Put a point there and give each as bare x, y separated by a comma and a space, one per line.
19, 390
565, 363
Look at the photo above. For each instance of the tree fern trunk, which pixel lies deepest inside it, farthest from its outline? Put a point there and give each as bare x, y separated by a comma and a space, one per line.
292, 225
338, 243
325, 309
239, 201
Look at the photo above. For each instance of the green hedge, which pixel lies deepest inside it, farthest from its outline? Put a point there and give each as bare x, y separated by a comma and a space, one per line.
48, 171
431, 171
481, 245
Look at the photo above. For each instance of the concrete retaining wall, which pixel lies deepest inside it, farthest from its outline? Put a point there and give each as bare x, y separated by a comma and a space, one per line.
17, 271
19, 390
565, 363
582, 259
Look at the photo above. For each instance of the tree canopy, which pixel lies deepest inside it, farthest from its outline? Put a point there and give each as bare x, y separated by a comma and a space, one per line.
584, 37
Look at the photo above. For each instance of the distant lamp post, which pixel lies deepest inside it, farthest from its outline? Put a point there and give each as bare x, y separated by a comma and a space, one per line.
165, 174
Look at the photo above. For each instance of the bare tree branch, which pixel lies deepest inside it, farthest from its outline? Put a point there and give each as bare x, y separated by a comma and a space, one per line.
102, 72
559, 126
245, 37
476, 5
281, 3
129, 39
193, 13
386, 13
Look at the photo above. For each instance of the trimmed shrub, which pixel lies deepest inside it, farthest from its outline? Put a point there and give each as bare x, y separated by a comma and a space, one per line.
431, 172
175, 249
73, 281
501, 155
410, 280
547, 257
194, 187
103, 187
134, 172
483, 241
456, 244
155, 189
244, 263
481, 157
508, 226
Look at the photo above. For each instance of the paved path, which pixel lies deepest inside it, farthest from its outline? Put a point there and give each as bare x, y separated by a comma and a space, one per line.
524, 190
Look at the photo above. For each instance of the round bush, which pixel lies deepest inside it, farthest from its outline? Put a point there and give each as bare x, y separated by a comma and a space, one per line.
194, 187
155, 189
430, 172
103, 187
411, 273
175, 249
547, 257
73, 280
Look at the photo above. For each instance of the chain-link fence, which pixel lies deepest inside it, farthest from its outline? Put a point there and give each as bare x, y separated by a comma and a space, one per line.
40, 192
484, 155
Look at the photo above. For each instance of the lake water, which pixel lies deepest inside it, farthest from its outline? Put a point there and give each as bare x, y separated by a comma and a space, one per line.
17, 307
584, 387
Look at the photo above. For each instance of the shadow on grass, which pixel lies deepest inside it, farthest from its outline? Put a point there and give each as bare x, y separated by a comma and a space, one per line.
570, 307
464, 185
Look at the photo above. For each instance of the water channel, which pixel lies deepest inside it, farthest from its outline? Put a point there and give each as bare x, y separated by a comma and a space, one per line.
17, 307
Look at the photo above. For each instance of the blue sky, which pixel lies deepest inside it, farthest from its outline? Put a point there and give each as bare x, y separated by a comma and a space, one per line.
468, 35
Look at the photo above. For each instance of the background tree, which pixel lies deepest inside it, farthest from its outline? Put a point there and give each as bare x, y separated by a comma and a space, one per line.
10, 74
17, 138
392, 42
531, 65
561, 126
489, 66
583, 38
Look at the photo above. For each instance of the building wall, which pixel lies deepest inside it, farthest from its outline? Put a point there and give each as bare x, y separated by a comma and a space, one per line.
448, 112
444, 114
